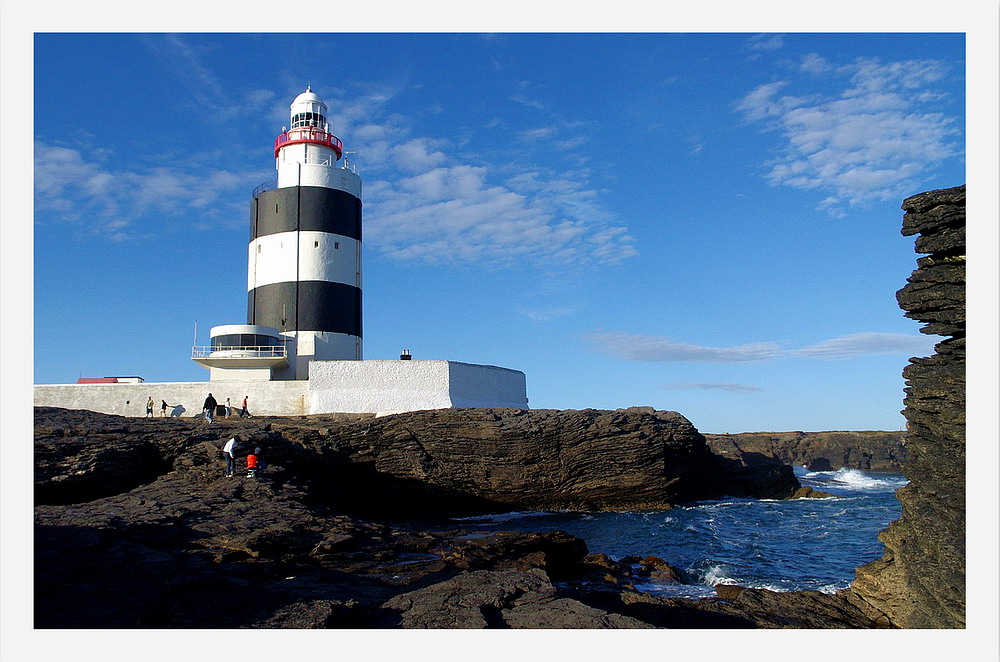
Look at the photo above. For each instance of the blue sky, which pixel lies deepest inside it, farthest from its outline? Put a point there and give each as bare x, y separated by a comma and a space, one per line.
707, 223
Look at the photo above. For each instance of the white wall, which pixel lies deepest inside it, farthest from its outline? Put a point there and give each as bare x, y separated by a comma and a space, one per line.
186, 398
397, 386
377, 387
473, 385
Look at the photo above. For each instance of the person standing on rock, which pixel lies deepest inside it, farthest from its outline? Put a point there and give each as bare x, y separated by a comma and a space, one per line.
149, 407
209, 408
229, 408
163, 408
245, 412
229, 451
253, 464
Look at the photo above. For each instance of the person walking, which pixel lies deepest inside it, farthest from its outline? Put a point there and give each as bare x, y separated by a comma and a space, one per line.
149, 407
163, 408
245, 412
229, 408
229, 452
209, 408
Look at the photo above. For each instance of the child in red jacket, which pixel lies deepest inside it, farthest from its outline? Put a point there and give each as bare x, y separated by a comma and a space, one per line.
254, 465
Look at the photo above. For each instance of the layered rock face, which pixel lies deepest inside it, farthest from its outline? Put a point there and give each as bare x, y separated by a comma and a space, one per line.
820, 451
476, 460
920, 580
437, 463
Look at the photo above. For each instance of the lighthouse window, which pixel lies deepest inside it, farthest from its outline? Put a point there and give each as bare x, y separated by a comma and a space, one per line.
307, 119
336, 245
244, 340
315, 244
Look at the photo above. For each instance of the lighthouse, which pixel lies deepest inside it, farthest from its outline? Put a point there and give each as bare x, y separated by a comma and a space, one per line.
304, 256
300, 349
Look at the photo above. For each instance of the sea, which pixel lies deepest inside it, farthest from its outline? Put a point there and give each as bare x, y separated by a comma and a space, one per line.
781, 545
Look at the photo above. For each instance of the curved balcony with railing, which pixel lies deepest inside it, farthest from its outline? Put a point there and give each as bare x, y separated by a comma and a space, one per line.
308, 135
240, 356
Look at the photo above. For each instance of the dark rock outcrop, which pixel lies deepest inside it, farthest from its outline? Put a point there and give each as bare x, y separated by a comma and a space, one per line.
820, 451
491, 599
447, 462
920, 580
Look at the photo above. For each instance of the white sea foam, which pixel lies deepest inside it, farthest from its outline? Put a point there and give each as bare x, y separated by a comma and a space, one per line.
856, 479
501, 517
715, 575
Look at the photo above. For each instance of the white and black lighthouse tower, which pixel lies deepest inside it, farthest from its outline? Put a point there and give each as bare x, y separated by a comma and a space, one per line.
304, 266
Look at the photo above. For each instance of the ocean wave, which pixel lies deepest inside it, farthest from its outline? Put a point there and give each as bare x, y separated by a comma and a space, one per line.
500, 518
714, 575
859, 480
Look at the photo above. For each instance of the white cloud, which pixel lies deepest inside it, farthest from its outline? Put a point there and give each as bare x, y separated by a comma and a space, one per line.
417, 154
713, 386
868, 344
657, 348
765, 42
874, 140
646, 348
547, 314
69, 188
814, 63
431, 203
453, 214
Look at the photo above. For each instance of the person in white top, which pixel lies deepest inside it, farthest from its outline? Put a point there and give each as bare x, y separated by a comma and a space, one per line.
229, 450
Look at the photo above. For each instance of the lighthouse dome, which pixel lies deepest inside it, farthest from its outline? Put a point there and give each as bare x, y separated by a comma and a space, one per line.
309, 99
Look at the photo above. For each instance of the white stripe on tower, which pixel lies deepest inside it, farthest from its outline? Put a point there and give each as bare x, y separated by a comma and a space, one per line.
304, 256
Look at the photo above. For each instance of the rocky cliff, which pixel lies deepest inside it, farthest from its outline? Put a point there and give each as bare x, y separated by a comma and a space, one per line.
920, 580
820, 451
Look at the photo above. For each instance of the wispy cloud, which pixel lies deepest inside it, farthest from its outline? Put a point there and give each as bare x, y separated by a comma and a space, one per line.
182, 61
712, 386
72, 188
630, 347
876, 139
764, 43
550, 314
429, 200
868, 344
647, 348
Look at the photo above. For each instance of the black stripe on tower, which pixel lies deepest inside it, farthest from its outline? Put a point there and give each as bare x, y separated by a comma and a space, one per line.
306, 208
309, 305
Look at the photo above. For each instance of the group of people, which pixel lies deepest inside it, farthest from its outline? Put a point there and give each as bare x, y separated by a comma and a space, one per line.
210, 406
231, 451
208, 409
150, 405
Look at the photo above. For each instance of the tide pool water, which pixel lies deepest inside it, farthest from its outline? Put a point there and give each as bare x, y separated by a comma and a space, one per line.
788, 545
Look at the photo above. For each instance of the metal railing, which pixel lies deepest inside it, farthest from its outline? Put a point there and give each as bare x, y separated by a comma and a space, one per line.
317, 136
266, 186
239, 351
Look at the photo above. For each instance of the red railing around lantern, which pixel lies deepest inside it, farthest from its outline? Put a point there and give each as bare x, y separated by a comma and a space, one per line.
316, 136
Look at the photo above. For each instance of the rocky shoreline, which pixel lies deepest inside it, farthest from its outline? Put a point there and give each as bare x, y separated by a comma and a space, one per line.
136, 525
820, 451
